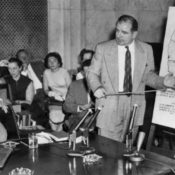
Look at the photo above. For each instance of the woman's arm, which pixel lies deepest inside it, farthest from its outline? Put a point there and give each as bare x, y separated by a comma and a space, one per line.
45, 84
68, 79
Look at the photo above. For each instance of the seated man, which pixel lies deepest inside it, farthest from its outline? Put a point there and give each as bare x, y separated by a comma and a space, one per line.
85, 54
78, 99
34, 70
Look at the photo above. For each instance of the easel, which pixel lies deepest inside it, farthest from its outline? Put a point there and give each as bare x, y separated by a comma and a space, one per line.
150, 137
152, 133
164, 104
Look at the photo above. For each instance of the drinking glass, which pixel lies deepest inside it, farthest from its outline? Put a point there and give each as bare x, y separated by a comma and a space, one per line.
33, 141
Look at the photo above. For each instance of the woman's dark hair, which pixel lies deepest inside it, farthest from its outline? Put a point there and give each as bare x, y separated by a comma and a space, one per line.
55, 55
15, 60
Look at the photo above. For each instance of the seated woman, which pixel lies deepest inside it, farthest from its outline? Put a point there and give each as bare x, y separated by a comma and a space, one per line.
21, 87
56, 81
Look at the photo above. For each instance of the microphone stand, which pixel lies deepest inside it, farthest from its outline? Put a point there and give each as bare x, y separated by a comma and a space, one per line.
85, 130
129, 134
73, 135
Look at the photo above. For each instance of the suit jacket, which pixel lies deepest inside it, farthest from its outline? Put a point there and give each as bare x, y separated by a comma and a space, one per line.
38, 68
76, 95
103, 72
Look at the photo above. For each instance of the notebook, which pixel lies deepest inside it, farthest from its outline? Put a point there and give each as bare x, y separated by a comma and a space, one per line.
13, 124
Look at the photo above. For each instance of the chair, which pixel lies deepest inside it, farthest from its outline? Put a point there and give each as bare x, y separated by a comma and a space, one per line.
5, 92
169, 135
54, 107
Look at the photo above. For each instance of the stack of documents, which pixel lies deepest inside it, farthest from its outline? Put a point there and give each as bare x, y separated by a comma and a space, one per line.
45, 137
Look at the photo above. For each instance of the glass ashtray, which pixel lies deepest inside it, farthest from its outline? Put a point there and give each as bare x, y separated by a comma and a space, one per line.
21, 171
91, 158
10, 144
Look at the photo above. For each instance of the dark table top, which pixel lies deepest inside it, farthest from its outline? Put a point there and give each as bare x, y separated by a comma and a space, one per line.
52, 159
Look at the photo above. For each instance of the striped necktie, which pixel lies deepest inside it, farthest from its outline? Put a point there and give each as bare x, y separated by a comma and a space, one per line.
127, 86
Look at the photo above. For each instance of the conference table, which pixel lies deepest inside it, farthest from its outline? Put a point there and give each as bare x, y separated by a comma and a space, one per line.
52, 159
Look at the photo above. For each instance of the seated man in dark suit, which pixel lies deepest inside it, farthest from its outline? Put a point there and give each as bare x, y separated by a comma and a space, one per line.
78, 99
34, 71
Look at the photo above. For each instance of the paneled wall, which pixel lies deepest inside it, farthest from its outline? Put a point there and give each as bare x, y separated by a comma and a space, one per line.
23, 24
75, 24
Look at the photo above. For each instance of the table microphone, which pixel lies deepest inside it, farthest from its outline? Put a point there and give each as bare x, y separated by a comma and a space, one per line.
129, 137
73, 135
89, 124
140, 140
131, 124
82, 120
85, 130
137, 156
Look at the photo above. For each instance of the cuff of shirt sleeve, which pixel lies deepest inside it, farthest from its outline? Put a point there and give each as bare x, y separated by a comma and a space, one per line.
98, 88
78, 109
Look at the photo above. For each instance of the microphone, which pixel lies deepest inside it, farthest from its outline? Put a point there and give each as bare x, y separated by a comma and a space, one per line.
131, 125
82, 120
85, 130
140, 141
73, 135
88, 127
129, 139
92, 119
138, 157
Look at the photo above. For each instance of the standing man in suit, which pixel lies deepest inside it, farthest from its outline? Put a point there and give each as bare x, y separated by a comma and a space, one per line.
108, 75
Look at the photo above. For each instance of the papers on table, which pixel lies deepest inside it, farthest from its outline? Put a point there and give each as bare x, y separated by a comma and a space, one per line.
61, 136
44, 137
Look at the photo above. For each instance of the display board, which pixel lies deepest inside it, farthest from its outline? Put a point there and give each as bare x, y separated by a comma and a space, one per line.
164, 108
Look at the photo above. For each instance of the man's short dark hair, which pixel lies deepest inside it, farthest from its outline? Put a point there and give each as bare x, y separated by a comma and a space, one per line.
20, 51
84, 51
128, 18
